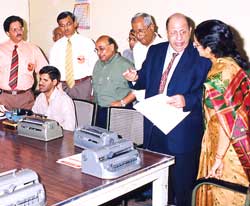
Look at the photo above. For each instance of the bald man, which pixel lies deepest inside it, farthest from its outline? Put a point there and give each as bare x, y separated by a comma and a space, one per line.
57, 34
109, 86
186, 73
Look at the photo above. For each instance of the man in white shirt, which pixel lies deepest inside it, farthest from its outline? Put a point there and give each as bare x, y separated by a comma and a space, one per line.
145, 30
83, 58
53, 102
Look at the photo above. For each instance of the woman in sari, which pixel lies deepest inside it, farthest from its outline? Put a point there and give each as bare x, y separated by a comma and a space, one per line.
225, 150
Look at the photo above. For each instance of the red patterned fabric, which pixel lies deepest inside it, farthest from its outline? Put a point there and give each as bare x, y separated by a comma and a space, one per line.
14, 69
165, 73
233, 109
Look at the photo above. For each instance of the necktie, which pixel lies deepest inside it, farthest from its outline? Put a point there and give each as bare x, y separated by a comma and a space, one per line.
14, 69
69, 65
165, 73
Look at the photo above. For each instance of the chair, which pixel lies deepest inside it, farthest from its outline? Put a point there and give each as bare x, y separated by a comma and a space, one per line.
220, 183
128, 123
85, 112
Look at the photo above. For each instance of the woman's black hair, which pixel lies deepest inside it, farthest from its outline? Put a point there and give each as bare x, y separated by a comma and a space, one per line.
218, 36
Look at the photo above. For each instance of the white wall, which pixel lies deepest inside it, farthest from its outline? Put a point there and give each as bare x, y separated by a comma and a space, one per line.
113, 17
13, 7
43, 14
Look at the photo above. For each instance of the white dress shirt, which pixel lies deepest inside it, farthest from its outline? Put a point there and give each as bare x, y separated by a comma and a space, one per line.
168, 58
140, 52
81, 47
60, 108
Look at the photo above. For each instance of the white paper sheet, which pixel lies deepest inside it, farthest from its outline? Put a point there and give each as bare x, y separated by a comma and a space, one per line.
161, 114
72, 161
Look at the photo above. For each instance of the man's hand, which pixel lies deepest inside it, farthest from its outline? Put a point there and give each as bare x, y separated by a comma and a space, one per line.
177, 101
130, 75
80, 59
116, 104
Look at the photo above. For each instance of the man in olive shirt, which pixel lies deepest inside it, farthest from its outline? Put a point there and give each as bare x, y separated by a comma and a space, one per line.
109, 85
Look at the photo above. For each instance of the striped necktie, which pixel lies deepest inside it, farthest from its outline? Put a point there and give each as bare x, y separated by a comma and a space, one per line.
166, 72
69, 65
14, 69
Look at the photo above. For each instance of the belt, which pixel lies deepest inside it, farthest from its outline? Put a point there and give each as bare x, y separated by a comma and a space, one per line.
13, 92
79, 80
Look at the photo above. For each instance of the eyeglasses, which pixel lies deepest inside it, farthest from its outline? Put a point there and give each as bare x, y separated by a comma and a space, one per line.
141, 31
20, 29
131, 39
101, 48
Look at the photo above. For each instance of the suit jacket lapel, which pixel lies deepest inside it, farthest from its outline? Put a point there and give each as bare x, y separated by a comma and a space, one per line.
182, 64
156, 78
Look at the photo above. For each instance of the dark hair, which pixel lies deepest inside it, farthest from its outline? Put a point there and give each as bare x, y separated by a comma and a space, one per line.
219, 38
11, 19
112, 41
53, 72
64, 15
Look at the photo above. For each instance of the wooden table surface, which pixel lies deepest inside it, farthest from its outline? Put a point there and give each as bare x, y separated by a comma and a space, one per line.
60, 181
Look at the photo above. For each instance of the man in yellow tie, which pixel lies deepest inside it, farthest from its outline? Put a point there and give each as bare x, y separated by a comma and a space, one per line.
74, 55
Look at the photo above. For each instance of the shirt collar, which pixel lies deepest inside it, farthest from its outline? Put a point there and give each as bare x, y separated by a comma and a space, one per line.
71, 38
53, 95
13, 43
171, 51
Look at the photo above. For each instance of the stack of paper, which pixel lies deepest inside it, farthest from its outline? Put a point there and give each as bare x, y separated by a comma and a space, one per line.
161, 114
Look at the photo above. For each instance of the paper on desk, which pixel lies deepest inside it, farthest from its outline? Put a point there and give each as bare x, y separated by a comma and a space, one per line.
72, 161
161, 114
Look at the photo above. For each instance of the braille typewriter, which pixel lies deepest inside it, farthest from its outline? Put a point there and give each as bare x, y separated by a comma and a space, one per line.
39, 128
111, 161
18, 188
91, 137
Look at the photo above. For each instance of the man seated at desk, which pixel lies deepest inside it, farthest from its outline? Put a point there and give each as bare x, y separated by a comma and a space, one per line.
109, 85
53, 102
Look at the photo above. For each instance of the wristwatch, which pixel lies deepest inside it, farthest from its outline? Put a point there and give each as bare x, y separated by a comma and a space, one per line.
123, 104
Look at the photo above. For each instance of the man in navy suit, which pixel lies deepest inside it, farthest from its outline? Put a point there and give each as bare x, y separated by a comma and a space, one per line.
184, 87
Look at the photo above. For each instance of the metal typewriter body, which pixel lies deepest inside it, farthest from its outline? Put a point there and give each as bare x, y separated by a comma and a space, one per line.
21, 188
111, 161
91, 137
39, 128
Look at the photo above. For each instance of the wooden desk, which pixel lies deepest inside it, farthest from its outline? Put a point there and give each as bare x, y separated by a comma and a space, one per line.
68, 186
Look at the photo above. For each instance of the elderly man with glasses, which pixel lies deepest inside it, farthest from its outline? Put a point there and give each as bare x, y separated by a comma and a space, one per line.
109, 86
145, 29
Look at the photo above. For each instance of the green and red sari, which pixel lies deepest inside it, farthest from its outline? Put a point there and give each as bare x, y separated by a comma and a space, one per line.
227, 112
